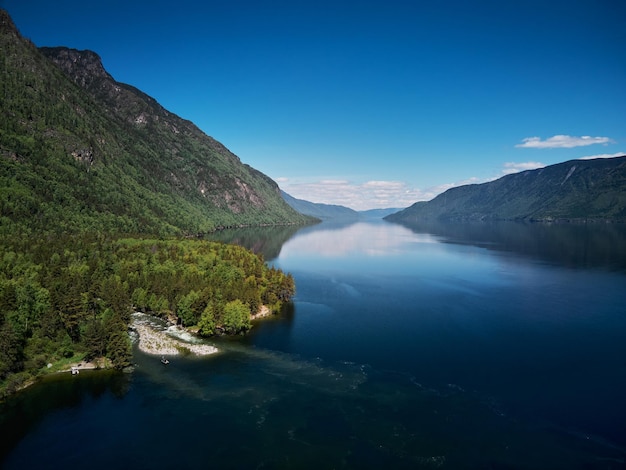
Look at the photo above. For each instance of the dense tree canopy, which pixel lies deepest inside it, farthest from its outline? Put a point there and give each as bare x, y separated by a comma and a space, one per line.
72, 296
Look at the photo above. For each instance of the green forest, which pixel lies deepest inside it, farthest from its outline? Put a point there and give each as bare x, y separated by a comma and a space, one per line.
104, 198
69, 298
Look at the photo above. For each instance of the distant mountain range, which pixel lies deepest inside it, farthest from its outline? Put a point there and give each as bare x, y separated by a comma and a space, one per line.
576, 190
378, 213
82, 152
318, 210
331, 211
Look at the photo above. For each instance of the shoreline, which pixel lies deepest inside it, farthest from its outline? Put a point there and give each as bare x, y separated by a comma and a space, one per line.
263, 312
149, 341
157, 343
97, 363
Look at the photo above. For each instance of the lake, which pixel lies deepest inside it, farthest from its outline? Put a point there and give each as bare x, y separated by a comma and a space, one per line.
438, 346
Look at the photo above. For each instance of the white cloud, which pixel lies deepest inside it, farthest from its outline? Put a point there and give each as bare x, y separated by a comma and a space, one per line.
380, 194
603, 155
369, 195
562, 141
515, 167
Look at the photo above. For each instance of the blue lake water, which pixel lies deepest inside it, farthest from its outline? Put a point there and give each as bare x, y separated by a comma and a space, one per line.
478, 346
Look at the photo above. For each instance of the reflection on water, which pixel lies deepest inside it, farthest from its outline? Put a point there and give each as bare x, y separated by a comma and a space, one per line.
266, 241
63, 391
366, 238
444, 346
569, 245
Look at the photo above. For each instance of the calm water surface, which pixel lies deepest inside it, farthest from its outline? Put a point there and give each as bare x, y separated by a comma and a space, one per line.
481, 346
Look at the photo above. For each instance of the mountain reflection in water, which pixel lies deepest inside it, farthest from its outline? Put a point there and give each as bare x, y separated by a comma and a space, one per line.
456, 346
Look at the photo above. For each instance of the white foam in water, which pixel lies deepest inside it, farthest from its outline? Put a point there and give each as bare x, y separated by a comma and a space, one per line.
160, 325
177, 332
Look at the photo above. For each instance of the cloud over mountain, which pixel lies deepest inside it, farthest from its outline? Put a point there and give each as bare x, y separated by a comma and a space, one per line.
603, 155
515, 167
562, 141
375, 194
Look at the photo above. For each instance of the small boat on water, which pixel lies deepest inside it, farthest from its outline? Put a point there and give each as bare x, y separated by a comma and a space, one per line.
164, 361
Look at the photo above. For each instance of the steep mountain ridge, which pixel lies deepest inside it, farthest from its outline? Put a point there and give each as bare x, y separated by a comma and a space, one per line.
80, 151
576, 190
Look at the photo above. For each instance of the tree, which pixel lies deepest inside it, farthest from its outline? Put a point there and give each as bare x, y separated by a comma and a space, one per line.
140, 299
8, 296
158, 305
236, 317
11, 350
33, 302
287, 287
94, 338
115, 294
119, 349
187, 308
207, 321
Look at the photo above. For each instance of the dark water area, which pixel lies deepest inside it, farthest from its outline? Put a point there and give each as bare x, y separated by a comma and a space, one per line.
476, 346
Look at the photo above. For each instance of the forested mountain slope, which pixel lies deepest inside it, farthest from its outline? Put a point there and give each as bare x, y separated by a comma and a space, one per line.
80, 151
100, 188
577, 190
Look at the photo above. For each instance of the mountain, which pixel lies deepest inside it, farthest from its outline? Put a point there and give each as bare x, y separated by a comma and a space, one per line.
378, 213
318, 210
330, 211
576, 190
81, 152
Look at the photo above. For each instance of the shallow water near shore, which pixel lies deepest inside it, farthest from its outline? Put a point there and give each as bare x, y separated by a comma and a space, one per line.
495, 346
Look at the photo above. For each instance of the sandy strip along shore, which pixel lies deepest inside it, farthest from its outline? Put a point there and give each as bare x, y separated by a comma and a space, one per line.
98, 363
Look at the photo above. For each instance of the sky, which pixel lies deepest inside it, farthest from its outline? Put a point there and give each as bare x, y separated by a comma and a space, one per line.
367, 104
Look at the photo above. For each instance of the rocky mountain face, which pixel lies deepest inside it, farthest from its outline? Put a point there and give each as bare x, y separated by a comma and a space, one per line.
577, 190
87, 152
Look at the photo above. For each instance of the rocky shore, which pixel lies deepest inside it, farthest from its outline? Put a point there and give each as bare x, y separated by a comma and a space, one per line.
153, 341
263, 312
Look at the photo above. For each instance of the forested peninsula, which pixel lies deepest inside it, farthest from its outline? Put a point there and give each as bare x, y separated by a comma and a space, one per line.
70, 298
104, 199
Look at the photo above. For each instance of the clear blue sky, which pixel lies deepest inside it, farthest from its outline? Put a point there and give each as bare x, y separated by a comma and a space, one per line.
367, 103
